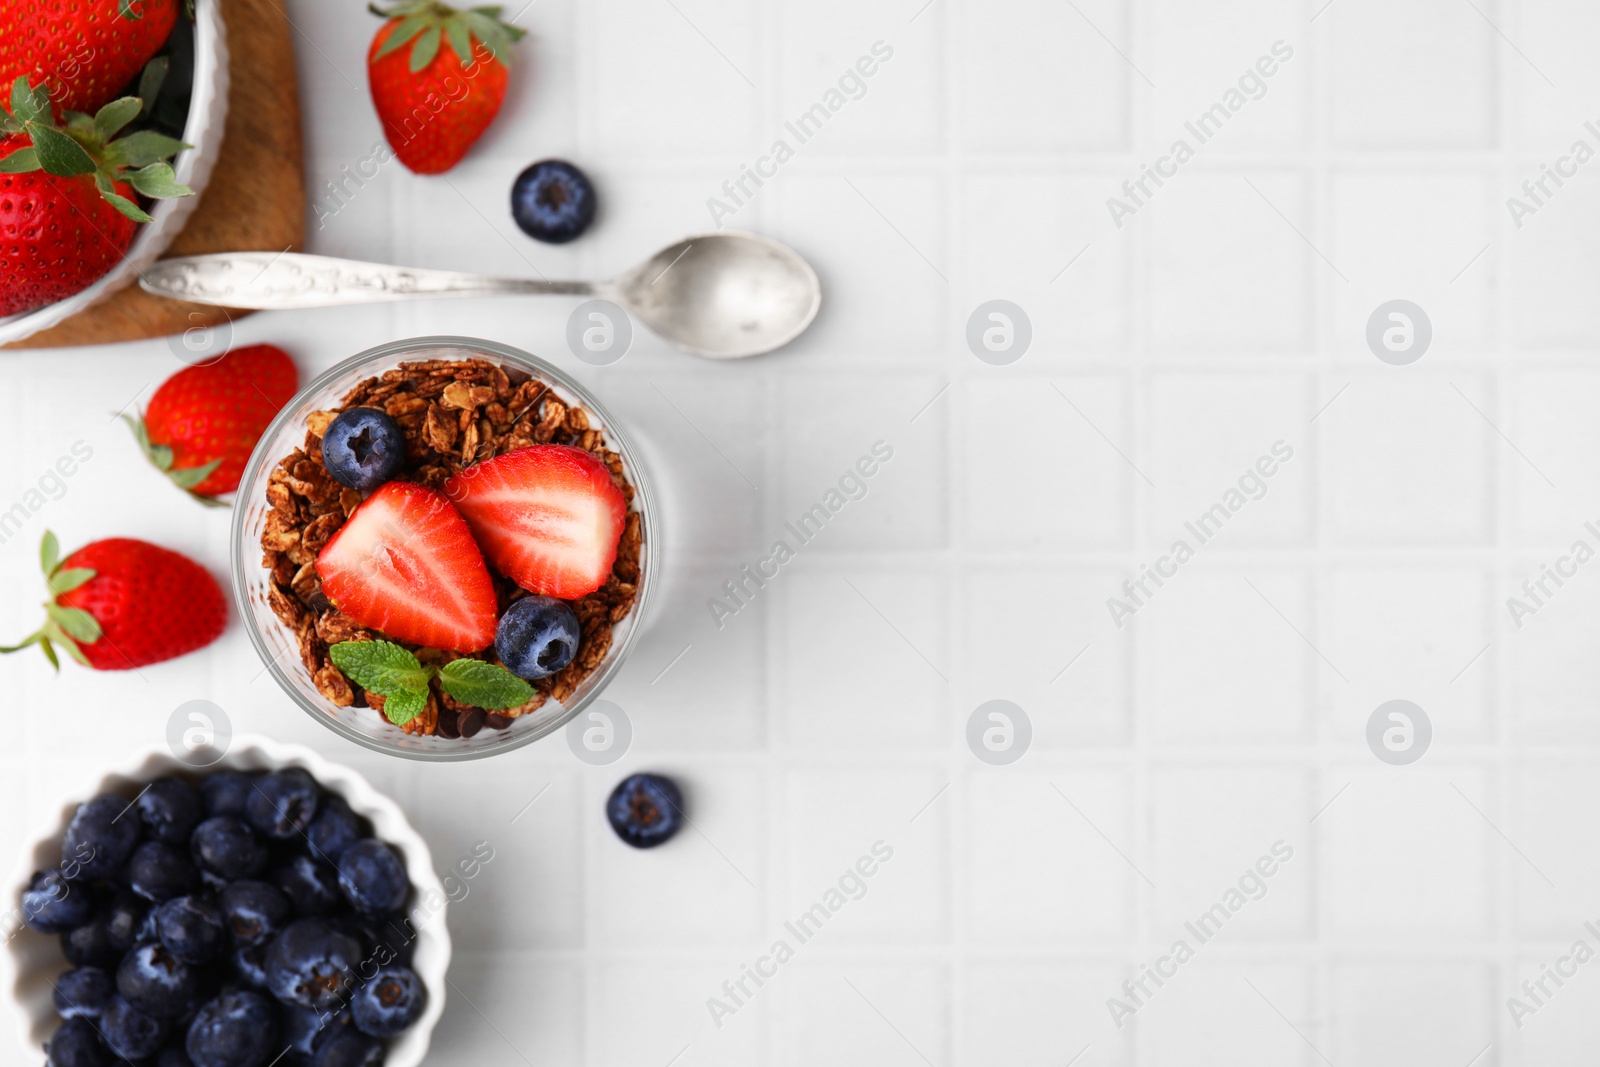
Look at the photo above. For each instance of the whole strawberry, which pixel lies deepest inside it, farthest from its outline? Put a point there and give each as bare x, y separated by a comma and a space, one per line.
434, 101
120, 603
84, 51
203, 422
67, 195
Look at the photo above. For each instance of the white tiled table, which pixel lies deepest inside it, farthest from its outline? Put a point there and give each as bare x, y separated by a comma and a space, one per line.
1226, 315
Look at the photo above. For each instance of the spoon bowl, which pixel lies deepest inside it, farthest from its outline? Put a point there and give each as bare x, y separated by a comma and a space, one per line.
724, 295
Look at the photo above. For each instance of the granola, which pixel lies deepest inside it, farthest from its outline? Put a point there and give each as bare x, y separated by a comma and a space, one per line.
454, 413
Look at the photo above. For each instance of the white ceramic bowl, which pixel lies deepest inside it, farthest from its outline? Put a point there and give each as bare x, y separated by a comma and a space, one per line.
208, 111
33, 960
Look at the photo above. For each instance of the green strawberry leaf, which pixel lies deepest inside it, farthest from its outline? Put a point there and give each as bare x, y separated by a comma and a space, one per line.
157, 181
55, 636
150, 82
189, 477
425, 49
484, 685
141, 149
50, 653
460, 40
407, 29
115, 115
69, 579
381, 666
77, 623
117, 200
59, 154
22, 161
49, 554
24, 105
126, 10
401, 708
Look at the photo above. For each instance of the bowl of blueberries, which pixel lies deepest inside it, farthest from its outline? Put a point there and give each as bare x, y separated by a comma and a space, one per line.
271, 908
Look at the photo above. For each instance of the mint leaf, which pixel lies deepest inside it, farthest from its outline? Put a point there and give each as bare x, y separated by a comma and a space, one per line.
483, 685
403, 707
381, 666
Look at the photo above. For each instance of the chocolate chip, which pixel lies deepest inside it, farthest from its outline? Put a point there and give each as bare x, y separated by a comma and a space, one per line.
498, 722
471, 721
449, 722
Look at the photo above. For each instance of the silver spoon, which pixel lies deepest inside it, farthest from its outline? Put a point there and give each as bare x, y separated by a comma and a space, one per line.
721, 295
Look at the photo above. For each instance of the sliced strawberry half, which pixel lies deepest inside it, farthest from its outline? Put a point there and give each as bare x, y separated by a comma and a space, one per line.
405, 564
548, 517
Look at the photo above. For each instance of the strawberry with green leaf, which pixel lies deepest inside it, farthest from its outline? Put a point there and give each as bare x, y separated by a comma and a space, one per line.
119, 604
388, 670
84, 50
436, 97
67, 194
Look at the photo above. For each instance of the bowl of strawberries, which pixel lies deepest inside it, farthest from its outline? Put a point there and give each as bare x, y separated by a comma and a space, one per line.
113, 118
441, 548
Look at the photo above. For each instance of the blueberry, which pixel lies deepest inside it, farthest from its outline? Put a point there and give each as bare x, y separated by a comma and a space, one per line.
99, 840
53, 905
334, 829
160, 872
248, 967
169, 809
255, 911
311, 885
89, 945
192, 929
552, 201
349, 1048
389, 1002
85, 991
225, 846
131, 1033
226, 792
372, 877
305, 1031
237, 1029
537, 636
311, 964
76, 1043
362, 447
283, 804
129, 920
157, 982
384, 940
645, 809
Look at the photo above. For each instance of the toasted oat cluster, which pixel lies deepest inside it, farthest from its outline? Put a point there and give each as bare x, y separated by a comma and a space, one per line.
454, 413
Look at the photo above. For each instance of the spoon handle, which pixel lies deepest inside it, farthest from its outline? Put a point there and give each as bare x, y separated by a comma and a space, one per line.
273, 281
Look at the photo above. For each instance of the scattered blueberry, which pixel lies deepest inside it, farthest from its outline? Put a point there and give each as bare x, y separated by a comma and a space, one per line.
237, 1029
311, 885
372, 877
255, 911
225, 846
283, 804
334, 829
99, 840
157, 982
311, 964
227, 792
131, 1033
390, 1001
192, 929
53, 905
552, 201
362, 447
170, 809
645, 809
85, 991
76, 1043
537, 636
160, 872
349, 1048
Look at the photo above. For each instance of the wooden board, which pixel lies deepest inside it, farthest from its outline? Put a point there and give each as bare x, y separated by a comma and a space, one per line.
254, 201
